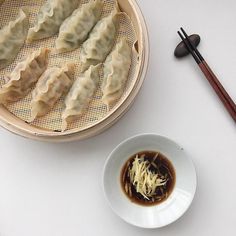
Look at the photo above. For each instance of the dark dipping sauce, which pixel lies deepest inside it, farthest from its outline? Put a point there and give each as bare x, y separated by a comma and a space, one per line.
158, 164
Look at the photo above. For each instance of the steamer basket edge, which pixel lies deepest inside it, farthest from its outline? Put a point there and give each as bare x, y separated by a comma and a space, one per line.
19, 127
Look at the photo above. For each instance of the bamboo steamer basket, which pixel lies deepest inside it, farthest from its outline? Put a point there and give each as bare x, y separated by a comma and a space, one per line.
14, 116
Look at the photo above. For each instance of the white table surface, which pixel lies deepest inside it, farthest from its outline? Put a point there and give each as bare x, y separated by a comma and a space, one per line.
55, 189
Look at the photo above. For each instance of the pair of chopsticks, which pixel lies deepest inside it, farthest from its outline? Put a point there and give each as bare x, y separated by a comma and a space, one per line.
209, 74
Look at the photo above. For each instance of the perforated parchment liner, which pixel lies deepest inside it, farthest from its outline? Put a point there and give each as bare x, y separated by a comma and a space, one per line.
52, 121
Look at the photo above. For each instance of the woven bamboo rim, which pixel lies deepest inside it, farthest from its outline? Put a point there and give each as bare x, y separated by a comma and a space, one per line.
19, 127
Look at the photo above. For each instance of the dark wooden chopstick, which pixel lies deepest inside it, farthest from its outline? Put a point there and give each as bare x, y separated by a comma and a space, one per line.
209, 74
215, 79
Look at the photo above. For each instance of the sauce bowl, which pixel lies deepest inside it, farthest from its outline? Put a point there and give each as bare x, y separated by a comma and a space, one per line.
174, 206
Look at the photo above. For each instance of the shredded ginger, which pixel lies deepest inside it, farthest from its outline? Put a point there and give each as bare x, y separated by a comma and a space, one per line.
144, 180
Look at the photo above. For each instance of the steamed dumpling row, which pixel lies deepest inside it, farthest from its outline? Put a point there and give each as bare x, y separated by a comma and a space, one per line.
51, 84
94, 51
83, 24
52, 14
50, 18
116, 71
73, 32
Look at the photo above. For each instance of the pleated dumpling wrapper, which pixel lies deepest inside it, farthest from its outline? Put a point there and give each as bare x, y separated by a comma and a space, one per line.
12, 38
116, 71
50, 17
75, 29
54, 83
80, 95
101, 40
24, 76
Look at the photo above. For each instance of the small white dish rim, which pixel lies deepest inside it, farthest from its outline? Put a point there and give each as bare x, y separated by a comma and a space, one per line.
170, 210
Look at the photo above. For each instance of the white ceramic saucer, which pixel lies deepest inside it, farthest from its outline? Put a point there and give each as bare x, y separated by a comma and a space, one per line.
150, 216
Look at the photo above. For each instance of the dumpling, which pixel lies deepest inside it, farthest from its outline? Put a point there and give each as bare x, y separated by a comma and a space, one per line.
75, 29
12, 38
24, 76
116, 71
101, 40
1, 2
51, 86
80, 95
50, 18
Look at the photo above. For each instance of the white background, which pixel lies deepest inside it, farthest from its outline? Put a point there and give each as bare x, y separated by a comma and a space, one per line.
55, 189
